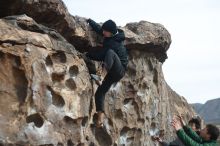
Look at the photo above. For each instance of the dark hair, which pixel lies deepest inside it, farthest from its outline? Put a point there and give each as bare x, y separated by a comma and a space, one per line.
213, 131
195, 121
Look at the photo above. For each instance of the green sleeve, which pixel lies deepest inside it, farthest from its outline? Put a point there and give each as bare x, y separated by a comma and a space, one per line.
95, 26
186, 139
192, 134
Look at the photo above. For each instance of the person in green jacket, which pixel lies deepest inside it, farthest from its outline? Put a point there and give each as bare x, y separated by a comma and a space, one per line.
208, 135
195, 125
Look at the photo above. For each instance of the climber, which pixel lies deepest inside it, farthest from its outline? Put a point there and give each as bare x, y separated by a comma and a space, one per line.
194, 123
115, 58
208, 135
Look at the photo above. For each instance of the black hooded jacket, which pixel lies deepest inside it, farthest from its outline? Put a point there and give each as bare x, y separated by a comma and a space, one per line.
116, 43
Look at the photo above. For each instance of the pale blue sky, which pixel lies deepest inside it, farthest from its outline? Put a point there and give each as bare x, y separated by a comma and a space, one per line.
193, 66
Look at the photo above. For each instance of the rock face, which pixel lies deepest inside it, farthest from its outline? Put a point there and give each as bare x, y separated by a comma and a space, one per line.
47, 97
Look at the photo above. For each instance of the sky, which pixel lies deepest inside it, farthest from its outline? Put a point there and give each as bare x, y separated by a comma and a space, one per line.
193, 65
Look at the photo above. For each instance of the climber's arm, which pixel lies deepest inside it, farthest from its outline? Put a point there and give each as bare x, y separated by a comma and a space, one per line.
95, 26
96, 55
192, 134
186, 139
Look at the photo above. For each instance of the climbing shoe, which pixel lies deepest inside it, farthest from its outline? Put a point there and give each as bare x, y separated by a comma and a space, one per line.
96, 78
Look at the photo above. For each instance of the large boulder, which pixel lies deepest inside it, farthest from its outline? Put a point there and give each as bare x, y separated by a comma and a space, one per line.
47, 97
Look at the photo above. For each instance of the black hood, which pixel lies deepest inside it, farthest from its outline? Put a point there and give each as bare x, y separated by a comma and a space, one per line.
120, 36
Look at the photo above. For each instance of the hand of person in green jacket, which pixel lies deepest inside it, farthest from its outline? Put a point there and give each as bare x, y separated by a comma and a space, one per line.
181, 119
177, 125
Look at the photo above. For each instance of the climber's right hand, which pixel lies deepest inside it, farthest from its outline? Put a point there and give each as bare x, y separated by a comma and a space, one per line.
88, 20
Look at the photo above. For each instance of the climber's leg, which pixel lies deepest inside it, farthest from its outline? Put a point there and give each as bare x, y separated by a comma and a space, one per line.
115, 73
113, 64
100, 98
101, 91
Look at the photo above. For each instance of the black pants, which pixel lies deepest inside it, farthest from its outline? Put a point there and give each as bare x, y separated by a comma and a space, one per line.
115, 71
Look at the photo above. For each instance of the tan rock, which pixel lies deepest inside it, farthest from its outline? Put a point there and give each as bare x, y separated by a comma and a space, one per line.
47, 97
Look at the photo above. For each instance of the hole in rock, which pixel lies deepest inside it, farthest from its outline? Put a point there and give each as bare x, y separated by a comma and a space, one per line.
141, 121
154, 131
150, 64
119, 114
60, 144
36, 118
69, 120
129, 136
74, 71
57, 99
124, 131
91, 106
17, 61
49, 61
144, 86
84, 121
91, 144
57, 77
70, 143
59, 57
128, 100
21, 84
156, 76
70, 83
1, 55
130, 139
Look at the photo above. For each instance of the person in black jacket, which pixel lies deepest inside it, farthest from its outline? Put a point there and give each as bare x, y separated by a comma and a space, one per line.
115, 58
